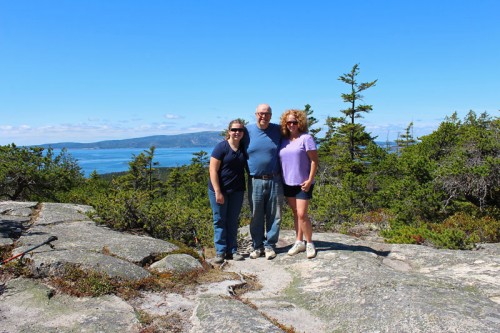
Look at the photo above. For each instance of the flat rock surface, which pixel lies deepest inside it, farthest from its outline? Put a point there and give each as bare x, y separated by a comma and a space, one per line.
81, 242
26, 307
352, 285
355, 286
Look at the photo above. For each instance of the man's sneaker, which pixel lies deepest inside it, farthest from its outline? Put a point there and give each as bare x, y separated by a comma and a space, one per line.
310, 250
270, 254
256, 253
219, 258
298, 247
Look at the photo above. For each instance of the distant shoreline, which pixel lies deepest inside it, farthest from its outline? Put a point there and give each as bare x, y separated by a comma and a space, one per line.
111, 160
188, 140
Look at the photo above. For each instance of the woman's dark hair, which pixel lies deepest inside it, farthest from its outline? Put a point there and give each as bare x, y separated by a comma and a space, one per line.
234, 121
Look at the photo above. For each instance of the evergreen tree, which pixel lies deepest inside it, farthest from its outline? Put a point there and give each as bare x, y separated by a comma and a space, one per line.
33, 173
405, 140
469, 168
311, 121
202, 158
355, 132
141, 171
345, 141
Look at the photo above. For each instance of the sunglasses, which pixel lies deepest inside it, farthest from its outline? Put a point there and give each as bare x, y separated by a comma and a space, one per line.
236, 129
292, 122
264, 114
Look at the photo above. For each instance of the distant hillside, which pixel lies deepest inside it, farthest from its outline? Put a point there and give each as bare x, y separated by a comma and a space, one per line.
199, 139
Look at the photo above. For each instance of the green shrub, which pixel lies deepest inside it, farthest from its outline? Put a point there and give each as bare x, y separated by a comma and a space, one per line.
123, 210
36, 173
287, 218
483, 229
454, 239
429, 234
175, 220
329, 207
406, 234
378, 217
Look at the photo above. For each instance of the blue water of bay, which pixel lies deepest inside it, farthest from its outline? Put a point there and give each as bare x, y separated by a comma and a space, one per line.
116, 160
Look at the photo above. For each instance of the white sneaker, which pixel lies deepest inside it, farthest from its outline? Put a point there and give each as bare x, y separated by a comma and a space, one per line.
256, 253
270, 254
310, 250
298, 247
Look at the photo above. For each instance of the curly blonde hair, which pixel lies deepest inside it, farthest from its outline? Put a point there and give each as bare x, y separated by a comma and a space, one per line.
301, 118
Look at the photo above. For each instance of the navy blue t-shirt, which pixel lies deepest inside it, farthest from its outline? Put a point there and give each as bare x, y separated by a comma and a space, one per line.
232, 168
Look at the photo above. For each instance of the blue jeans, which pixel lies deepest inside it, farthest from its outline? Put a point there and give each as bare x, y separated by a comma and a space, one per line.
226, 221
266, 202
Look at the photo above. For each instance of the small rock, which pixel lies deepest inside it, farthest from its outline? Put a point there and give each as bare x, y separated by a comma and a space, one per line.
179, 263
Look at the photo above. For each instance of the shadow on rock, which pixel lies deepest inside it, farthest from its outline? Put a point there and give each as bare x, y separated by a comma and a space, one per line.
333, 246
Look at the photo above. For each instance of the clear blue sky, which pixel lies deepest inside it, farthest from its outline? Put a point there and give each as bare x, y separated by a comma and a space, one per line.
92, 70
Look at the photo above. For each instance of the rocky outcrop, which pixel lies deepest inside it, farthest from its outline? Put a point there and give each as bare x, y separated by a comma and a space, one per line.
353, 285
358, 286
26, 306
81, 242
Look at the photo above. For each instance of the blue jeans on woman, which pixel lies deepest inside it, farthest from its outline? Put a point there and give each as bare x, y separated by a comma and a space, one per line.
226, 221
266, 202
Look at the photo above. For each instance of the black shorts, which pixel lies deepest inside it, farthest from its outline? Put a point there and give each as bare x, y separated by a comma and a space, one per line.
297, 193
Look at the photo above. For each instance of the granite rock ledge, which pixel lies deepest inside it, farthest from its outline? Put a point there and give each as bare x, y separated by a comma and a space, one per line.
353, 285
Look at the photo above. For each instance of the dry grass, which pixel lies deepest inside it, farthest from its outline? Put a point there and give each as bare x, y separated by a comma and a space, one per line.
6, 252
251, 284
216, 275
79, 282
160, 324
15, 268
164, 325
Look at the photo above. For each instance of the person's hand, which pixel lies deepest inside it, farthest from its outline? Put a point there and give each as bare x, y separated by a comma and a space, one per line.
305, 186
219, 198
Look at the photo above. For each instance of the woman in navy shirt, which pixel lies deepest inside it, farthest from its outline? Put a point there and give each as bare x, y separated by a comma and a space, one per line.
226, 188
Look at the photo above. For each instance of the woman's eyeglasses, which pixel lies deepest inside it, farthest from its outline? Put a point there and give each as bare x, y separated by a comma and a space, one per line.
292, 122
236, 129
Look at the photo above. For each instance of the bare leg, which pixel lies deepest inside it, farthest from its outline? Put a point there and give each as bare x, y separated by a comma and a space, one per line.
304, 223
292, 202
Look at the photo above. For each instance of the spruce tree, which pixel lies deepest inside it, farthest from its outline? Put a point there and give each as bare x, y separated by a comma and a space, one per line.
355, 132
311, 121
405, 140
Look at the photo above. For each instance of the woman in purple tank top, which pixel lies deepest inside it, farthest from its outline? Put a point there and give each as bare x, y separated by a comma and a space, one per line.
299, 163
